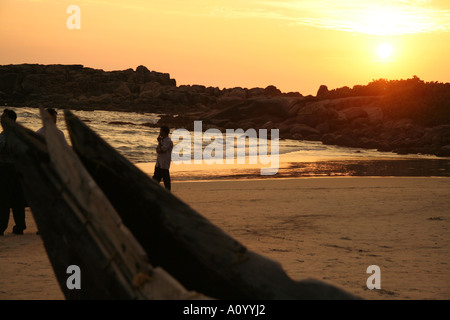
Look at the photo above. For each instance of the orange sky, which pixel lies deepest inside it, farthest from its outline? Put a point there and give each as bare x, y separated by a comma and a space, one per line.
294, 45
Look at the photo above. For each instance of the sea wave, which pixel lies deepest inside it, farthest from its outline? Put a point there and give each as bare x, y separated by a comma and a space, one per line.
137, 143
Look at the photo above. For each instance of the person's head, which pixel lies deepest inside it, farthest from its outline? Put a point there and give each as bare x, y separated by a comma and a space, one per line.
52, 112
164, 132
10, 114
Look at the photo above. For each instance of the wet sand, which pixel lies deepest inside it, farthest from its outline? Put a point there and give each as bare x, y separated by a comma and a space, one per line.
325, 228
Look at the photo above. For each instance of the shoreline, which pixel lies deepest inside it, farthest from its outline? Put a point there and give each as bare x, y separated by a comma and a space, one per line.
327, 228
405, 167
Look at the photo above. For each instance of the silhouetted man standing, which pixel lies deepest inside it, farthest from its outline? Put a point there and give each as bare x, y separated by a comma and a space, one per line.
11, 194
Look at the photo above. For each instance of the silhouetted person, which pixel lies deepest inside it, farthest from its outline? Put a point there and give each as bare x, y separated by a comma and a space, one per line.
53, 115
164, 157
11, 194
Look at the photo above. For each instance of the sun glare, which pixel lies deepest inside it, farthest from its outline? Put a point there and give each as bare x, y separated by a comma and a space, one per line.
384, 50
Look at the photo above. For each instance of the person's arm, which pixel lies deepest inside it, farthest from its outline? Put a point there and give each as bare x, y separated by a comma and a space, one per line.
158, 147
164, 145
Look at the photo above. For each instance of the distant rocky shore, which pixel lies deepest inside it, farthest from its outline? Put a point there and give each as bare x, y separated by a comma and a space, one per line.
403, 116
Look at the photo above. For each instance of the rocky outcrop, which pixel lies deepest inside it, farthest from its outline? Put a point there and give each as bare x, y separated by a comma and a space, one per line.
323, 91
78, 87
407, 117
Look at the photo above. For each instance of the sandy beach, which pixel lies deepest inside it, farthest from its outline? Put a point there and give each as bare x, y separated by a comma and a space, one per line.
325, 228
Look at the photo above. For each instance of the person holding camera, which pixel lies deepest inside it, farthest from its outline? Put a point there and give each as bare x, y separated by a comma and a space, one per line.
164, 157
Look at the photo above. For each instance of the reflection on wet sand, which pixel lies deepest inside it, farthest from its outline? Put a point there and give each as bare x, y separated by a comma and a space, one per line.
329, 168
407, 168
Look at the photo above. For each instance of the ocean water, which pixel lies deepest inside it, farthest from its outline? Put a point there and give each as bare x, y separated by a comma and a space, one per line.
122, 130
128, 134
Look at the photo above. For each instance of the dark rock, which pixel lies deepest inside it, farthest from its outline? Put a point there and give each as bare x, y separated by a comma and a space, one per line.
122, 89
353, 113
374, 114
384, 147
8, 82
272, 91
237, 92
256, 92
368, 143
32, 83
323, 91
268, 125
294, 109
324, 127
294, 94
444, 151
362, 120
284, 128
102, 99
312, 137
345, 141
304, 130
328, 139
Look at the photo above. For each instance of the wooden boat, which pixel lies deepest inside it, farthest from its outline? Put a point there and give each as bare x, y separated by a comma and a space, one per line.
79, 226
201, 256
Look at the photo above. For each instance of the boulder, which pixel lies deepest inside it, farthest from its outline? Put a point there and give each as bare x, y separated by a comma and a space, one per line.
360, 123
402, 125
293, 111
148, 96
284, 128
255, 92
274, 108
444, 151
328, 139
245, 125
272, 91
443, 130
102, 99
237, 92
213, 91
345, 141
122, 90
368, 143
149, 86
8, 82
312, 137
227, 102
268, 125
374, 114
142, 70
304, 130
294, 108
352, 113
323, 91
55, 69
32, 83
323, 127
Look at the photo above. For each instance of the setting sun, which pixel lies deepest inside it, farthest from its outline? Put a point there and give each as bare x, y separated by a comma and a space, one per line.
384, 50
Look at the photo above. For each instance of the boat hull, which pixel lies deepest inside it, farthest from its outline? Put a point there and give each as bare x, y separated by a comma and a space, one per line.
80, 227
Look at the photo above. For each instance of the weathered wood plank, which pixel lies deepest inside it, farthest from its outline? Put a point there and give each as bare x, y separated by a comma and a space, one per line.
64, 236
80, 227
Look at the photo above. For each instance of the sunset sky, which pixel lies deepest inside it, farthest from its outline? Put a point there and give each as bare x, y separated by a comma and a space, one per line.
294, 45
